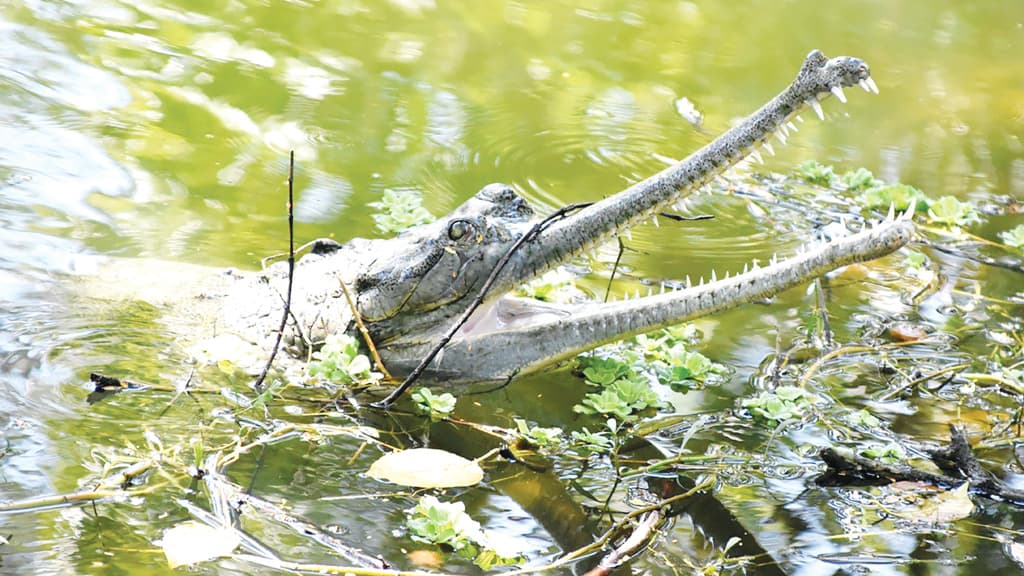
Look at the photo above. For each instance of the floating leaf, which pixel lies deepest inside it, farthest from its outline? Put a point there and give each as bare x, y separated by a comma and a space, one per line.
400, 209
900, 196
944, 507
192, 542
860, 179
437, 406
952, 212
1015, 550
815, 172
426, 468
1014, 238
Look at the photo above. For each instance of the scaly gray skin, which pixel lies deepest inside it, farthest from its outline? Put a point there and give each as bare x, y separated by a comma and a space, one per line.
411, 289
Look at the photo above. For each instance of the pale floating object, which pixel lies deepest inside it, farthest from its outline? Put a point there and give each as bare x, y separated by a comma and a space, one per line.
192, 542
687, 111
426, 468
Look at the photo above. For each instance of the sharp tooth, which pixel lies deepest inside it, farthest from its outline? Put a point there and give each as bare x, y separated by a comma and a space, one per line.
768, 146
701, 282
892, 212
838, 91
629, 234
688, 283
726, 275
784, 129
871, 84
662, 288
781, 136
799, 118
774, 260
817, 108
713, 277
654, 220
745, 269
650, 291
757, 156
754, 265
863, 84
792, 126
909, 214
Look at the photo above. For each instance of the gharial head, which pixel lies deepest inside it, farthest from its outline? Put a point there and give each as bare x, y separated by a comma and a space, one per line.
821, 74
422, 272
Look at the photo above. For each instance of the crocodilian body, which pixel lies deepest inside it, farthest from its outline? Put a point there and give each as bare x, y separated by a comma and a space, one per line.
409, 290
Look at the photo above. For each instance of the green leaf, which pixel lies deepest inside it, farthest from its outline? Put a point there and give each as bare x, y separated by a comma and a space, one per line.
400, 209
899, 195
863, 418
1014, 238
785, 403
437, 406
814, 172
889, 453
445, 523
588, 442
860, 179
540, 437
952, 212
339, 361
606, 401
448, 524
602, 371
635, 393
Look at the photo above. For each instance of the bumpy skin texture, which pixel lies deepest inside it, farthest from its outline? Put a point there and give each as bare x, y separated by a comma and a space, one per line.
411, 289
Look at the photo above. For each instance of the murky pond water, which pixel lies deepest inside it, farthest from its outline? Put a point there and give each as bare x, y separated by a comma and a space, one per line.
161, 129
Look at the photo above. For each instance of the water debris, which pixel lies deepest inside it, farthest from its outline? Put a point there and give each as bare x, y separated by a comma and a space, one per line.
426, 468
686, 109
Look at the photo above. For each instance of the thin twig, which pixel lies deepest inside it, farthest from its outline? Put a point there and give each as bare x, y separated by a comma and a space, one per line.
615, 268
1014, 265
364, 331
613, 531
418, 371
912, 383
642, 534
819, 287
258, 385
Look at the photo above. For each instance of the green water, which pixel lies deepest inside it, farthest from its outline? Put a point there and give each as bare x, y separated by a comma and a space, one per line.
161, 129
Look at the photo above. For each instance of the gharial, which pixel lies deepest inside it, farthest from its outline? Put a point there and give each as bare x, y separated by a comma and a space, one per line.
409, 290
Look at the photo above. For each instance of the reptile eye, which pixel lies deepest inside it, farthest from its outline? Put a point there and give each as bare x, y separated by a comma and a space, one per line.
459, 228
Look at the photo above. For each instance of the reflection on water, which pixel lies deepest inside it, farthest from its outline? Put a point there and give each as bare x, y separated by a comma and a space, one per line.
160, 128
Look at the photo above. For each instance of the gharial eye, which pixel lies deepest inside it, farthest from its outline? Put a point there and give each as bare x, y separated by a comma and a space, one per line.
459, 228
